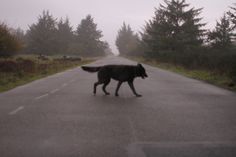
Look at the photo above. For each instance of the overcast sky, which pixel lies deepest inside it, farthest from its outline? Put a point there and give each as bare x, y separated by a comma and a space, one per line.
108, 14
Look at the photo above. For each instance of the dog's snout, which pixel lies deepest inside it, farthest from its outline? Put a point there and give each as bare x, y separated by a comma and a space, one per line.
144, 75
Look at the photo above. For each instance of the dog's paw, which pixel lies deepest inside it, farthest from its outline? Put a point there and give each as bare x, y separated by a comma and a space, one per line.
138, 95
116, 94
107, 93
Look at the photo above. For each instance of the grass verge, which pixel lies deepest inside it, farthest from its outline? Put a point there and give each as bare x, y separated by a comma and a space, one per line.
18, 71
214, 78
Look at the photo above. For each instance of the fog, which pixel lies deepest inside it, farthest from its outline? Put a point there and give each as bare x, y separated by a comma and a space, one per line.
108, 14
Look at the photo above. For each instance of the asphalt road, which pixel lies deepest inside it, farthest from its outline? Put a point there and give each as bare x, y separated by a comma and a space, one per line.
58, 116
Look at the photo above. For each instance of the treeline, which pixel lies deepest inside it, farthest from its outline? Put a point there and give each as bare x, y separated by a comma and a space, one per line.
49, 36
176, 34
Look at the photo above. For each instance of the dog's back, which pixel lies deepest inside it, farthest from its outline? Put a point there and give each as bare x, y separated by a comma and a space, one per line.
118, 72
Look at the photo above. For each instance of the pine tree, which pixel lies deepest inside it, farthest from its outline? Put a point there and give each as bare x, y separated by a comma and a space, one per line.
19, 34
42, 35
232, 15
126, 41
88, 38
174, 28
64, 36
222, 35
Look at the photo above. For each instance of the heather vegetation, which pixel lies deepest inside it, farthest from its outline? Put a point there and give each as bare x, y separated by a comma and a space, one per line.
19, 70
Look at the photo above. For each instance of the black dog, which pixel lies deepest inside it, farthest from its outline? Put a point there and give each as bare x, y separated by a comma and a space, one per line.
121, 73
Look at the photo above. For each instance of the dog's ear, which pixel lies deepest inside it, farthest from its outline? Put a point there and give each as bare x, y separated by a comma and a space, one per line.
139, 65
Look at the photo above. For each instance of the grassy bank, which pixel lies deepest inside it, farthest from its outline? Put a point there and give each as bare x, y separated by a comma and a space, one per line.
211, 77
24, 69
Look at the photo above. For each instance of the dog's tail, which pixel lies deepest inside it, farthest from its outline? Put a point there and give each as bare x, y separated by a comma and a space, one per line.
90, 69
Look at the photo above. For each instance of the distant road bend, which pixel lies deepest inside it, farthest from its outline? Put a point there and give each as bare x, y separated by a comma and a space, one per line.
58, 116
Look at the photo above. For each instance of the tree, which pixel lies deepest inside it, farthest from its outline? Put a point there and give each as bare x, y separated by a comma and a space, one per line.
126, 41
41, 37
174, 28
64, 35
19, 34
232, 15
88, 38
221, 37
9, 44
107, 49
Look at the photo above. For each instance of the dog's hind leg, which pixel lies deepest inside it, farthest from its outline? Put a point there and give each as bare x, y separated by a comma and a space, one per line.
118, 87
95, 86
104, 87
131, 85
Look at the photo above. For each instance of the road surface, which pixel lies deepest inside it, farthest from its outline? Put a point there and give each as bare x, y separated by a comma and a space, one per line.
58, 116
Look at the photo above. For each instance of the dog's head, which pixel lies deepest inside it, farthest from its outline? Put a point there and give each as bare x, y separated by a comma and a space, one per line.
141, 71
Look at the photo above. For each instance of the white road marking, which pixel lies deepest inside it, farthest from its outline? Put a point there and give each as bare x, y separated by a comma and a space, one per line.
72, 81
42, 96
54, 91
16, 110
65, 84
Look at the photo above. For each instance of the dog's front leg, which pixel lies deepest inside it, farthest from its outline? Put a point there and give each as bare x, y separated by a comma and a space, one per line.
117, 88
131, 85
